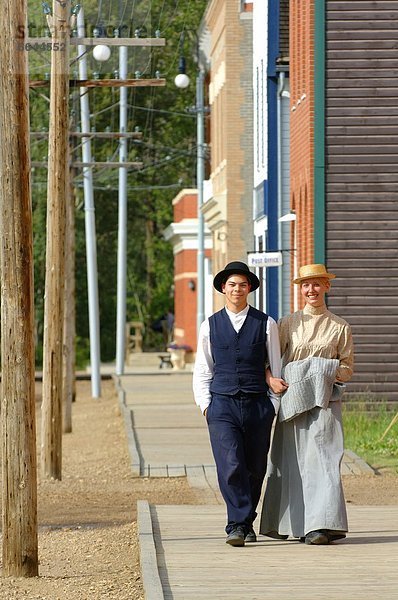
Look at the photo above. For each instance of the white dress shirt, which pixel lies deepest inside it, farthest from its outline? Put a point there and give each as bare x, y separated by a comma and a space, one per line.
204, 366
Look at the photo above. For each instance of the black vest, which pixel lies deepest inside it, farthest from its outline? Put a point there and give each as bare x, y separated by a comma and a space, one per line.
239, 358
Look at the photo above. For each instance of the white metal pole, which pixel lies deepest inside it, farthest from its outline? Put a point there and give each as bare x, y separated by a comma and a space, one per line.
200, 172
89, 215
122, 227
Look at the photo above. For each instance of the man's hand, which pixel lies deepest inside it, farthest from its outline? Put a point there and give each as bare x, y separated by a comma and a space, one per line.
277, 385
204, 412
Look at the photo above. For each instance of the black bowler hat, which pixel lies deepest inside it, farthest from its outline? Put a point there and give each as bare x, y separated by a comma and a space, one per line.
235, 268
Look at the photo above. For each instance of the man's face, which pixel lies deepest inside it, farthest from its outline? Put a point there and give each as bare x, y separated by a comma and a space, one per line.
236, 290
313, 291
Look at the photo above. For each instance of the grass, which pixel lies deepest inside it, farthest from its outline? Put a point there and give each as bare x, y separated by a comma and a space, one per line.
362, 432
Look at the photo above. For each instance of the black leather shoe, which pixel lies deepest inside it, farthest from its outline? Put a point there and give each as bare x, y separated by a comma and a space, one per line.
251, 536
335, 535
275, 535
236, 537
317, 538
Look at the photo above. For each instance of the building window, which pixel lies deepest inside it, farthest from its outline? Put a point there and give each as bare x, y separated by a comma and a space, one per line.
259, 202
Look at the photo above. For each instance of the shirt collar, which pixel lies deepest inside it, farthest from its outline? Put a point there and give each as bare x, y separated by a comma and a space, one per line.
315, 310
235, 316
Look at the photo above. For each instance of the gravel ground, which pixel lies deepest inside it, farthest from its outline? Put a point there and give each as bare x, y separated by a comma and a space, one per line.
88, 545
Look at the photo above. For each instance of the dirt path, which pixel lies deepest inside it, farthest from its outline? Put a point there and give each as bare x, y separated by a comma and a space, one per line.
87, 538
87, 531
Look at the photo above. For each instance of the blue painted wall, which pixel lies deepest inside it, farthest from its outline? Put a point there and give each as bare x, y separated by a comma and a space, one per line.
271, 193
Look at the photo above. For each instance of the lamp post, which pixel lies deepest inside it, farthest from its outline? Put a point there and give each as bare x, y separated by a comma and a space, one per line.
182, 81
291, 218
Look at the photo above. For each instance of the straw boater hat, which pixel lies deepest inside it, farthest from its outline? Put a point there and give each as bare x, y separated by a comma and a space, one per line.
235, 268
313, 272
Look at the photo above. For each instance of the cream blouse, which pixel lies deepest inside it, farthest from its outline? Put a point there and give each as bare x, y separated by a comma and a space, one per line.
315, 331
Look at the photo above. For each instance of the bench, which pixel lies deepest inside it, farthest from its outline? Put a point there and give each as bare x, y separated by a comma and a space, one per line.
165, 360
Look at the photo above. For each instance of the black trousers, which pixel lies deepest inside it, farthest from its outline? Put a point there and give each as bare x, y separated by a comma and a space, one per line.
240, 430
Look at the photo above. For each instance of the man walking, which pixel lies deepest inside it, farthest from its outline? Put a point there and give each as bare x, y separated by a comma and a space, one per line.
235, 347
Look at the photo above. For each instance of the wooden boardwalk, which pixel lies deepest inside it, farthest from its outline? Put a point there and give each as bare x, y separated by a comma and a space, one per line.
194, 562
182, 548
167, 432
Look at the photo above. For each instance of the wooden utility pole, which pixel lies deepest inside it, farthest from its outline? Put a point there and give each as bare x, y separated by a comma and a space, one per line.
57, 193
18, 429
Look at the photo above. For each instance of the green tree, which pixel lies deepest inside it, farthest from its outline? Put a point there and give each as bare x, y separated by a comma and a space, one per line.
167, 150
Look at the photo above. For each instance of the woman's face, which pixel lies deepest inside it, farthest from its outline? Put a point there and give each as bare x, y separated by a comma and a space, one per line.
313, 290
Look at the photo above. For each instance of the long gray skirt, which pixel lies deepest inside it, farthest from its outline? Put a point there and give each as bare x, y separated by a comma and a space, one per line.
304, 490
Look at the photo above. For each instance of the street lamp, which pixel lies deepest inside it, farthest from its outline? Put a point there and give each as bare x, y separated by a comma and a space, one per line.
182, 81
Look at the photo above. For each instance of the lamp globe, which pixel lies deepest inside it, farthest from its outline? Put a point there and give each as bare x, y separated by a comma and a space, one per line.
182, 80
101, 53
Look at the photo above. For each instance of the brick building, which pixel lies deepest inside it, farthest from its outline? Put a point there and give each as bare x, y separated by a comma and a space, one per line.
344, 181
228, 212
183, 234
302, 161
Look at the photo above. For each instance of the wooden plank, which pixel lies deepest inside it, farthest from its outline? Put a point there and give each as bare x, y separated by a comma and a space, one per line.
359, 150
362, 169
364, 300
349, 121
334, 47
350, 35
148, 561
364, 178
359, 195
359, 80
359, 230
385, 109
382, 347
195, 563
352, 63
362, 292
376, 161
340, 52
389, 338
374, 357
360, 206
371, 330
361, 19
359, 225
356, 92
364, 319
386, 378
336, 129
352, 188
340, 254
350, 268
363, 5
366, 101
365, 215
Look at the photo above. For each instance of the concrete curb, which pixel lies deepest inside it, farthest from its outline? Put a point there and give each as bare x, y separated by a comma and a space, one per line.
149, 565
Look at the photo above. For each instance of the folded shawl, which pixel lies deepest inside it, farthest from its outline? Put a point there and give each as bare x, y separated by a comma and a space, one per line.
312, 382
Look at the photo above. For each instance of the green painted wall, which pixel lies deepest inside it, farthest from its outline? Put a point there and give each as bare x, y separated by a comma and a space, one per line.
319, 134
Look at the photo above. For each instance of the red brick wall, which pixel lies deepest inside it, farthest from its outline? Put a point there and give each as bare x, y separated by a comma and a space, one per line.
185, 206
302, 126
185, 273
185, 299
